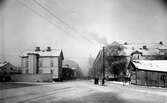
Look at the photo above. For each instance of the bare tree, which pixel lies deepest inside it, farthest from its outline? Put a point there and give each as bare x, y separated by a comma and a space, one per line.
116, 58
90, 66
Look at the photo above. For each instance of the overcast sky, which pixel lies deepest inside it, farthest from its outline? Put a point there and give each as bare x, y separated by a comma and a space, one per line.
78, 27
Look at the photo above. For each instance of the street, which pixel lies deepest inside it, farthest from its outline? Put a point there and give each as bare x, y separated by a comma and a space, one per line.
83, 91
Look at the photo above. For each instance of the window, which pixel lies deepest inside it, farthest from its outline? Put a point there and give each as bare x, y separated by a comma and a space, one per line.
138, 57
11, 68
51, 71
51, 63
26, 64
40, 63
40, 71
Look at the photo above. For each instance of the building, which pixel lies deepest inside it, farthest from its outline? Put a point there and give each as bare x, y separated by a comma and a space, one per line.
39, 61
146, 51
74, 66
116, 57
6, 69
67, 73
149, 72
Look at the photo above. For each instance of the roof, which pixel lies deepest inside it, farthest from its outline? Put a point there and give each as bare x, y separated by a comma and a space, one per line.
151, 65
53, 52
149, 45
129, 48
3, 64
152, 48
72, 64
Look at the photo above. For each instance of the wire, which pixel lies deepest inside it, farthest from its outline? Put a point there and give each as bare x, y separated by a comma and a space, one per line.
63, 22
43, 17
57, 25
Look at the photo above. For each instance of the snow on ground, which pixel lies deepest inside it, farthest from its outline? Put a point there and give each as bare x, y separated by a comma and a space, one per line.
83, 92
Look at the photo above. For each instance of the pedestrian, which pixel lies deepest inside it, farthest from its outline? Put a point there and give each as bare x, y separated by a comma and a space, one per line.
103, 81
95, 80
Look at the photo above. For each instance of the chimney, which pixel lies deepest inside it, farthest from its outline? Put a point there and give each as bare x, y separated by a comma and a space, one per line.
161, 42
145, 47
37, 49
48, 48
125, 43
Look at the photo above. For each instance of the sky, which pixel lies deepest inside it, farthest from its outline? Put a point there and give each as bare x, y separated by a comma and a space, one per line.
79, 27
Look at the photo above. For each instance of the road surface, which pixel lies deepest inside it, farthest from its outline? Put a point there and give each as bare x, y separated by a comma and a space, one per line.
80, 92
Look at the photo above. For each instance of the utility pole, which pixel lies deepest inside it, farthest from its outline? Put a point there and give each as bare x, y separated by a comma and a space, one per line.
103, 71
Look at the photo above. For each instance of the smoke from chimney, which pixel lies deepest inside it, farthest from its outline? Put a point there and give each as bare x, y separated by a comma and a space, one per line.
97, 38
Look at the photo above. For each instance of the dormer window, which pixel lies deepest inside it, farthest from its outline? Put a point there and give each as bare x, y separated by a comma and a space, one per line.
136, 55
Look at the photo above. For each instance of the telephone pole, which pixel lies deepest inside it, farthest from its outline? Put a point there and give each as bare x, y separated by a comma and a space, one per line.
103, 68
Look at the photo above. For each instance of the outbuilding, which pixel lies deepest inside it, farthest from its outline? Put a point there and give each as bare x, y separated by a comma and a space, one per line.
149, 72
6, 69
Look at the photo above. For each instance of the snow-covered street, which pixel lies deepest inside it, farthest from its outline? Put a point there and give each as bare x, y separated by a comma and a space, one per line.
80, 92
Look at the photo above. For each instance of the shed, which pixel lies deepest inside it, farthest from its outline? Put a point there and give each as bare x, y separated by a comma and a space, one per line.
149, 72
6, 69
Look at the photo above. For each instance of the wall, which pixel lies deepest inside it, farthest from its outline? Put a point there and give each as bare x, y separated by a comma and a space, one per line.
31, 77
46, 66
67, 73
59, 67
24, 64
150, 78
33, 63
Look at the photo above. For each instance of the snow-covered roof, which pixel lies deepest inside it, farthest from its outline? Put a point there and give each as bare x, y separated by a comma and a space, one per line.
151, 65
149, 45
3, 64
53, 52
152, 48
144, 48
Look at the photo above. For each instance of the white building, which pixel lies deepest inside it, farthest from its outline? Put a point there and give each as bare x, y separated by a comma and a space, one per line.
47, 61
